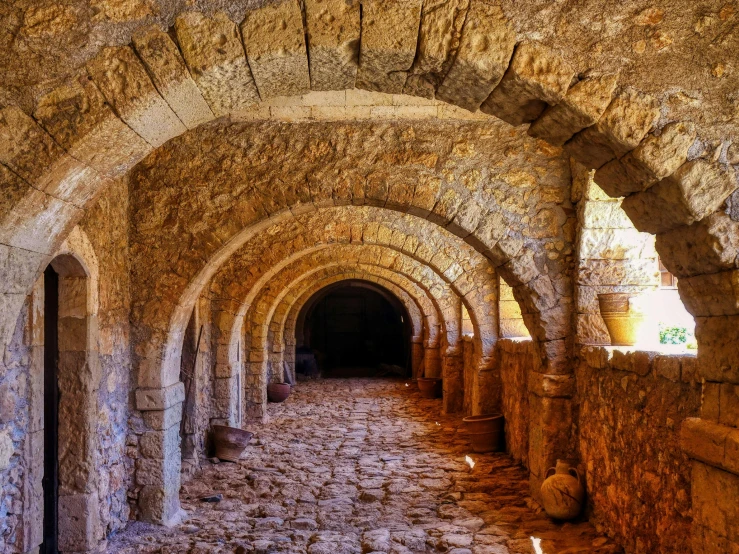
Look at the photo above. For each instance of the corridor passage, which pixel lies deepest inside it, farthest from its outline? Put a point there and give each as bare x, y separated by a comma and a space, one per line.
352, 466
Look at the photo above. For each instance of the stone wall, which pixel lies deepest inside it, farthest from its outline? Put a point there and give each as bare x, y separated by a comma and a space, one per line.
631, 407
517, 359
511, 320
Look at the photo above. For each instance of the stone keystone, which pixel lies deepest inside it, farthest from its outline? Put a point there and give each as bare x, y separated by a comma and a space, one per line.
389, 37
537, 77
694, 191
214, 53
626, 121
656, 157
333, 43
438, 40
582, 106
275, 47
482, 58
170, 75
122, 78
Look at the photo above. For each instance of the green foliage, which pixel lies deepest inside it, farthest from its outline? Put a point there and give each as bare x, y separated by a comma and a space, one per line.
676, 335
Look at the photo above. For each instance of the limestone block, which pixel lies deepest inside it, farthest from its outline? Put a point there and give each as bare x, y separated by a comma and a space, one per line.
537, 77
388, 47
214, 53
438, 40
626, 121
552, 386
656, 157
708, 246
714, 502
333, 28
615, 244
718, 358
79, 522
605, 215
711, 294
29, 152
729, 401
618, 272
482, 58
6, 448
693, 192
591, 329
33, 221
160, 420
170, 75
82, 123
275, 47
124, 82
160, 445
582, 106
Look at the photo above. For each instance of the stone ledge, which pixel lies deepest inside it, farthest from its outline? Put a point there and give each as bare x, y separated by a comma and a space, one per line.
678, 366
160, 399
711, 443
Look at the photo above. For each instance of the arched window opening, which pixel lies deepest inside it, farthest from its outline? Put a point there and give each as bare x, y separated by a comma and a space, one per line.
353, 329
675, 325
512, 325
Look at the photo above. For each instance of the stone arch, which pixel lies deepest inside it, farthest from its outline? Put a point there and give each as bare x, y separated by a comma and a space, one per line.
52, 176
267, 301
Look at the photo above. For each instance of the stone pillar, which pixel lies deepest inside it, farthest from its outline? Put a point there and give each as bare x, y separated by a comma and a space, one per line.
417, 356
432, 361
158, 468
255, 387
486, 387
453, 376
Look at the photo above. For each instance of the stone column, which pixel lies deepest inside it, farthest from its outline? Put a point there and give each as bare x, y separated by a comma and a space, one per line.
432, 360
417, 356
453, 375
158, 468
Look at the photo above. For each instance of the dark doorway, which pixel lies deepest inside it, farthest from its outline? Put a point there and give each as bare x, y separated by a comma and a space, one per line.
51, 411
358, 329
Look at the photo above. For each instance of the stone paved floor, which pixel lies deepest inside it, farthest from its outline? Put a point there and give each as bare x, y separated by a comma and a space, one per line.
360, 466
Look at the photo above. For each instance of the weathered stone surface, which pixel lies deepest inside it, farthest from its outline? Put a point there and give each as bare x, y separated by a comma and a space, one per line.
638, 434
275, 47
370, 482
712, 294
693, 192
605, 244
713, 512
124, 82
626, 121
482, 57
389, 38
160, 399
82, 123
170, 75
581, 107
537, 77
214, 53
708, 246
333, 28
656, 157
439, 37
718, 359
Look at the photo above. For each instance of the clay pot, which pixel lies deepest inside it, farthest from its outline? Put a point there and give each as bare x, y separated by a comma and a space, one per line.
278, 392
429, 387
624, 325
562, 493
230, 442
485, 432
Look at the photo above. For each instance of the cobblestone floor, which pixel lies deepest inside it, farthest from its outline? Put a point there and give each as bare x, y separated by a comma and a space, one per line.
359, 466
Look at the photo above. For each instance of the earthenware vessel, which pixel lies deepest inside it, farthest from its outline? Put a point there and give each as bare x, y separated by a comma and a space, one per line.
230, 442
430, 387
278, 392
562, 492
623, 322
485, 432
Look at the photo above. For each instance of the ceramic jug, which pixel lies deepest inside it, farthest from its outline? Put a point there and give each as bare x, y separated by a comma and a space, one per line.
562, 493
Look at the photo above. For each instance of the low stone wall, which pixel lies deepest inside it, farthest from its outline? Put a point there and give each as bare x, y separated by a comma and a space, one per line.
517, 360
631, 407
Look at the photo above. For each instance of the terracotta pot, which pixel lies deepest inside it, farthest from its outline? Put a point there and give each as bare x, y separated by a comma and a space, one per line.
429, 387
562, 493
624, 325
485, 432
230, 442
278, 392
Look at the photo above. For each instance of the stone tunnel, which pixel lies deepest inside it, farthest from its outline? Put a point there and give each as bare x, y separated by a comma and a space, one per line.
200, 200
